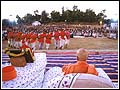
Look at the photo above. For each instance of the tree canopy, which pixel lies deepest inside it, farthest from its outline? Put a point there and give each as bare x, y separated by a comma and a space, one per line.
67, 16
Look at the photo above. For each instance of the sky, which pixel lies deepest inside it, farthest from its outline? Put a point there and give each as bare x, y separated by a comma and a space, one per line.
23, 7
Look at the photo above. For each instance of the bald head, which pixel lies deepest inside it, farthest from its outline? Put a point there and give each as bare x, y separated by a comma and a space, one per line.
82, 54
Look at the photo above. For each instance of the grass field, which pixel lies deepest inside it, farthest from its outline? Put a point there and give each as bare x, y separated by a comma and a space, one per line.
88, 43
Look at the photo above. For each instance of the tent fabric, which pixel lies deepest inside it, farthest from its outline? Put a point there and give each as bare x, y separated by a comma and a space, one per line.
36, 23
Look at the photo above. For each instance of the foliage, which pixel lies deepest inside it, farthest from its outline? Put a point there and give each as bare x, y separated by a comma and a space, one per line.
67, 16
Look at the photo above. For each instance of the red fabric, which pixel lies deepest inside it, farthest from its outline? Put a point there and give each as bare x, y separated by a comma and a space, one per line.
23, 41
28, 40
28, 35
41, 37
11, 34
23, 36
92, 70
48, 38
17, 36
33, 38
67, 34
80, 67
36, 35
24, 46
56, 35
62, 34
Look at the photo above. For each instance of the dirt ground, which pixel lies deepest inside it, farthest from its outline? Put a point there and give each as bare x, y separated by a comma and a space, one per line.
88, 43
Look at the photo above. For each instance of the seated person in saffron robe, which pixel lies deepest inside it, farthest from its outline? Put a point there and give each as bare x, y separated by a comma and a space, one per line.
81, 66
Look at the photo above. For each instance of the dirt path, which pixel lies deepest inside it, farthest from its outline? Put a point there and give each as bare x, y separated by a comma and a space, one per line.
88, 43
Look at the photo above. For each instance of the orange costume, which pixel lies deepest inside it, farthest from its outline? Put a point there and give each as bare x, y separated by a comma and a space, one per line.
18, 36
48, 38
41, 37
56, 35
23, 37
62, 34
81, 66
67, 34
10, 35
28, 37
33, 38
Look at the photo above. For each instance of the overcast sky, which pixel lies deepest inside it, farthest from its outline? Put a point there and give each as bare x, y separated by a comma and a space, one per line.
22, 7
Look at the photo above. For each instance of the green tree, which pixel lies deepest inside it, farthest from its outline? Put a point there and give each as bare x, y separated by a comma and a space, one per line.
62, 10
19, 19
82, 16
44, 17
90, 16
76, 15
55, 16
37, 17
28, 19
5, 23
101, 16
67, 16
75, 8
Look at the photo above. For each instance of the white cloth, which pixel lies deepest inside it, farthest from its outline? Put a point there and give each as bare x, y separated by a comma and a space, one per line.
67, 41
47, 46
30, 76
62, 42
54, 78
56, 43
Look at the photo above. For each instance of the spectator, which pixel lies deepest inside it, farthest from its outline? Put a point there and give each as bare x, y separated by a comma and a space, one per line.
81, 66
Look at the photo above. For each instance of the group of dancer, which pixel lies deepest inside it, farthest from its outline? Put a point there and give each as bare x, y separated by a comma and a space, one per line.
29, 35
18, 39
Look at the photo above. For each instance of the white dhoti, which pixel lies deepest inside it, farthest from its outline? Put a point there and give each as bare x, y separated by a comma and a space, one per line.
47, 46
67, 41
56, 42
62, 42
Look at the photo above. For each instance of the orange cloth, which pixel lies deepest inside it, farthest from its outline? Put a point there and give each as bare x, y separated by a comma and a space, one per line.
56, 35
33, 38
11, 35
62, 34
92, 70
23, 36
79, 67
48, 38
67, 34
18, 36
41, 37
24, 46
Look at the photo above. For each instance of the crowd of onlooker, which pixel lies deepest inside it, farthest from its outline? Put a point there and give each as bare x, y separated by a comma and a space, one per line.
27, 35
75, 30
